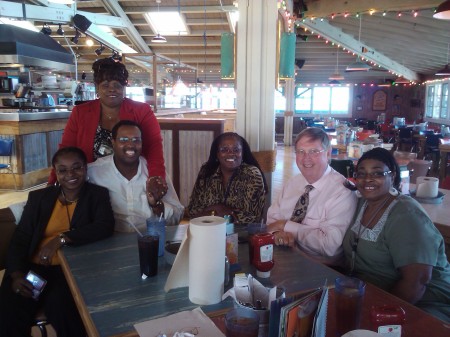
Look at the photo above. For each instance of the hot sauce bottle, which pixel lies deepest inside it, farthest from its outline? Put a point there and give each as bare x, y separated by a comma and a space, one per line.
262, 244
387, 320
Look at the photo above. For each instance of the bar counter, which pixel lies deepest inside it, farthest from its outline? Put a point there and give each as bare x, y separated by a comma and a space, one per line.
36, 137
16, 116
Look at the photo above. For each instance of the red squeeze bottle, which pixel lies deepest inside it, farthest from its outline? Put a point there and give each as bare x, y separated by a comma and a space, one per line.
262, 244
387, 320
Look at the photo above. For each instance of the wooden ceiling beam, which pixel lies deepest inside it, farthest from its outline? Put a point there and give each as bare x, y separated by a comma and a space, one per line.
338, 36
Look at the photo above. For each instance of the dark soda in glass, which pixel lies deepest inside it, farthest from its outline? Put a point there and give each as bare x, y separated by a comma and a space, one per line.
148, 254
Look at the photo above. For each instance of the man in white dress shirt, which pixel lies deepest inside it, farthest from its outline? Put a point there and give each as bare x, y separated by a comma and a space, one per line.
125, 175
331, 204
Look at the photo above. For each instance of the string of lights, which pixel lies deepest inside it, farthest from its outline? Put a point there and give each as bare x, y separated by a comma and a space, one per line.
293, 22
303, 13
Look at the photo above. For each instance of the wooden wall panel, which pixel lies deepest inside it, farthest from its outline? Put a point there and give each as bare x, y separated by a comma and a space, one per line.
53, 140
186, 145
194, 151
167, 136
34, 152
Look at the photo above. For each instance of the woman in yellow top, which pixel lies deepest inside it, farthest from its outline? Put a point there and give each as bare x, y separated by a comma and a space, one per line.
73, 212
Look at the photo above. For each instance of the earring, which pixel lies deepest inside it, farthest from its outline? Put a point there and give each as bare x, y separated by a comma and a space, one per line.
358, 194
393, 191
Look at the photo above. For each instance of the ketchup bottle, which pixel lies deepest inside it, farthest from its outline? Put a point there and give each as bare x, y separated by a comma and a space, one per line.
262, 244
387, 320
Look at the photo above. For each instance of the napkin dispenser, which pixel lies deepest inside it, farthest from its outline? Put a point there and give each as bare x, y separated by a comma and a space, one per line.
250, 294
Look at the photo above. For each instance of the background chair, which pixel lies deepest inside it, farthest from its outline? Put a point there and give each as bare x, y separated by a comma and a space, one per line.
386, 132
344, 167
371, 125
445, 183
418, 168
404, 140
6, 146
431, 151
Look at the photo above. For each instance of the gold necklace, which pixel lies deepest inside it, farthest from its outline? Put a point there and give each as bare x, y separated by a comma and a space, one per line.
67, 200
107, 116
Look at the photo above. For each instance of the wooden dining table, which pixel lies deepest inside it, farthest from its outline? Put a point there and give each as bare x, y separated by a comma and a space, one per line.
111, 296
444, 150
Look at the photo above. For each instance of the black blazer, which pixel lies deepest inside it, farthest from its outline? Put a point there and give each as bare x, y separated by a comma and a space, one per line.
92, 220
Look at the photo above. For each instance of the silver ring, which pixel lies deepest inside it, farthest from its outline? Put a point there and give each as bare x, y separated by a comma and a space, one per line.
45, 257
17, 290
280, 241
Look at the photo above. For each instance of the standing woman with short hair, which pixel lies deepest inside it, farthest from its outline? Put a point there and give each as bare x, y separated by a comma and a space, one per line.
90, 124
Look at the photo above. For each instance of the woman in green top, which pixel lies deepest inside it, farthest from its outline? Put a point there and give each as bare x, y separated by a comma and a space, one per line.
392, 243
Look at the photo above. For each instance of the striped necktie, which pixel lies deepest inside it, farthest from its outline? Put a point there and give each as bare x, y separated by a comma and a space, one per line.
299, 212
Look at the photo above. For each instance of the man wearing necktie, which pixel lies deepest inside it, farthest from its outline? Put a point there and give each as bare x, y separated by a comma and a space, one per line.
314, 208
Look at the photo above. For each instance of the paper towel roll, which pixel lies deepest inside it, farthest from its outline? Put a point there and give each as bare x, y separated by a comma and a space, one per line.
200, 262
427, 187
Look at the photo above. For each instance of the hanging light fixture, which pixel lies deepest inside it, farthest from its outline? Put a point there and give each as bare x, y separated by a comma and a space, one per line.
100, 50
336, 76
89, 42
46, 30
204, 43
358, 65
445, 71
334, 82
158, 38
60, 30
76, 37
443, 11
179, 88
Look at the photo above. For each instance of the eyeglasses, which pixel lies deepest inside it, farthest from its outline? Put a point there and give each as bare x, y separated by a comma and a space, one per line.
63, 171
115, 85
185, 332
312, 152
135, 140
371, 175
233, 150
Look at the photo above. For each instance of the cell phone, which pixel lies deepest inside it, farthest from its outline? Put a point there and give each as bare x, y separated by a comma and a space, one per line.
38, 283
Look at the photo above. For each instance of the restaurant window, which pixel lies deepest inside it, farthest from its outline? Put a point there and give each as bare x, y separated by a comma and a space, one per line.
444, 101
280, 101
436, 109
430, 101
323, 101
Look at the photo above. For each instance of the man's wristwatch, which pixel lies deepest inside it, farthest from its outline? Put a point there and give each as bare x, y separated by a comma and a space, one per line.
62, 239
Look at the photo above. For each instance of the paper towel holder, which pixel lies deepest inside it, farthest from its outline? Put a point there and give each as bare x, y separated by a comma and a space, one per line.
436, 200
